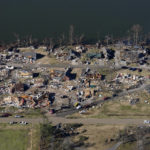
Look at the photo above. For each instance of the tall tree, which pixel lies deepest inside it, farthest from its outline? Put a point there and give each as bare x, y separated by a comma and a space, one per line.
136, 29
30, 40
71, 34
62, 40
79, 39
17, 38
107, 38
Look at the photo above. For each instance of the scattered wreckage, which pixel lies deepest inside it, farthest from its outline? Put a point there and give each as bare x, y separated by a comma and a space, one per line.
53, 88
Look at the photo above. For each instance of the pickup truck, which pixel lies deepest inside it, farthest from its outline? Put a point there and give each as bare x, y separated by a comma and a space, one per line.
146, 121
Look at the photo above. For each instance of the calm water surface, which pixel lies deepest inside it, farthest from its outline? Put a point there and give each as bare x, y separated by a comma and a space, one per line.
94, 18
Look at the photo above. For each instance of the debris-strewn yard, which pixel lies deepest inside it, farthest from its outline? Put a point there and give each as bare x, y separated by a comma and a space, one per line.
78, 136
97, 135
71, 136
106, 137
134, 105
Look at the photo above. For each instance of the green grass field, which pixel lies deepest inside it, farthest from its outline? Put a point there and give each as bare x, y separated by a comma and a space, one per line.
13, 139
19, 137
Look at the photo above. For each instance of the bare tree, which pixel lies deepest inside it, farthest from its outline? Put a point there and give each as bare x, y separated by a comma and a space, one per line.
62, 40
71, 35
81, 38
107, 38
146, 37
51, 43
17, 38
45, 42
30, 40
136, 29
50, 46
128, 36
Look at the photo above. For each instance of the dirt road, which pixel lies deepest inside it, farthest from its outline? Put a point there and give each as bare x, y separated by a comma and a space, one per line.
87, 121
62, 65
95, 121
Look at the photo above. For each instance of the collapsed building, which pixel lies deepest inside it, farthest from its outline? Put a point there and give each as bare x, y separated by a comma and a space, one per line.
19, 87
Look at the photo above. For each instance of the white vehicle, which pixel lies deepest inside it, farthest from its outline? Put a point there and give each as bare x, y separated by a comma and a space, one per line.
146, 121
18, 116
10, 67
82, 112
11, 122
23, 122
78, 107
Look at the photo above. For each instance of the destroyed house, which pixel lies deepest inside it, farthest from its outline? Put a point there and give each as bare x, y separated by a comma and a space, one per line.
63, 54
110, 54
95, 55
25, 74
77, 54
57, 75
130, 56
30, 55
81, 49
69, 75
94, 76
148, 51
8, 57
19, 87
73, 54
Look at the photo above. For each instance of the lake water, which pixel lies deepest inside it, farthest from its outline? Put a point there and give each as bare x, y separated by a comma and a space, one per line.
51, 18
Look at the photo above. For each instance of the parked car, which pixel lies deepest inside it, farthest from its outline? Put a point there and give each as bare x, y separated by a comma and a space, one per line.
78, 107
64, 96
23, 123
82, 111
105, 98
114, 95
52, 111
87, 106
12, 122
18, 116
6, 115
1, 63
146, 121
10, 67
